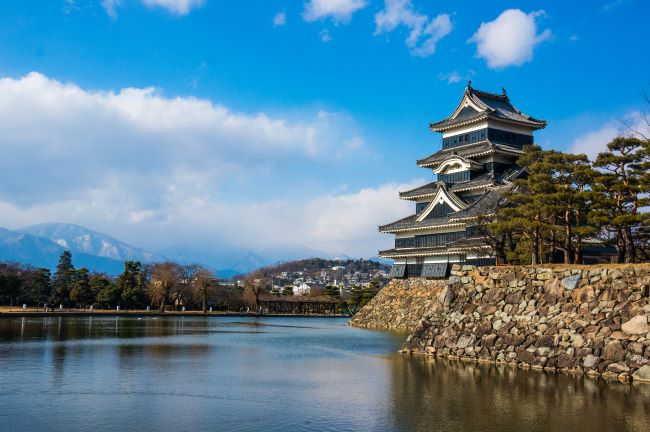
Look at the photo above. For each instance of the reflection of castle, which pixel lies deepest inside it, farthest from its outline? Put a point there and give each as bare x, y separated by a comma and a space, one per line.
481, 142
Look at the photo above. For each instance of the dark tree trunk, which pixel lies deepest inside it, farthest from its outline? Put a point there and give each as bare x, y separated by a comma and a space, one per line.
630, 252
620, 246
568, 257
535, 256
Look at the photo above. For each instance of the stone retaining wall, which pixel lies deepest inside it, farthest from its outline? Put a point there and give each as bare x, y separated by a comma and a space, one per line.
578, 319
400, 305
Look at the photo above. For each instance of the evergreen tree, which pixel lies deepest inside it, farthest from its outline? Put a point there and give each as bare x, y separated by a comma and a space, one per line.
10, 283
105, 291
63, 279
287, 290
131, 284
40, 286
525, 214
622, 189
81, 292
356, 294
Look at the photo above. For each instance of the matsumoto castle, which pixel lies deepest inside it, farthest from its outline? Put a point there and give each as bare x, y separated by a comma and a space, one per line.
481, 142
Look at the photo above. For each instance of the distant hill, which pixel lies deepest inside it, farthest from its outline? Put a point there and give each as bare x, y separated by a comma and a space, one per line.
42, 252
313, 265
41, 245
86, 241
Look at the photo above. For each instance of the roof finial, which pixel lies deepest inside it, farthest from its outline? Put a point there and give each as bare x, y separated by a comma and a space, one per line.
503, 91
469, 84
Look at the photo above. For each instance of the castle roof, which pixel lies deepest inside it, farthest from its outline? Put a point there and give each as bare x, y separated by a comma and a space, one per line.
484, 206
482, 181
481, 148
478, 105
461, 245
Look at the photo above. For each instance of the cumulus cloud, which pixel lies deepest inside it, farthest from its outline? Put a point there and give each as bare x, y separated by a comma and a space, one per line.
176, 7
335, 223
61, 130
279, 19
510, 39
596, 141
340, 11
157, 170
424, 33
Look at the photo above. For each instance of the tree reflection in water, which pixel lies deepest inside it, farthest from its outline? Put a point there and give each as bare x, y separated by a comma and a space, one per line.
439, 394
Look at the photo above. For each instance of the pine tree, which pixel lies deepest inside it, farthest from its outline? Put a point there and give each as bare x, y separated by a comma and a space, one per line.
81, 291
356, 293
40, 287
105, 291
63, 279
287, 290
131, 285
622, 187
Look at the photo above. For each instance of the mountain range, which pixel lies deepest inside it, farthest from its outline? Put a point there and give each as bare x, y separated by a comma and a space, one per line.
41, 245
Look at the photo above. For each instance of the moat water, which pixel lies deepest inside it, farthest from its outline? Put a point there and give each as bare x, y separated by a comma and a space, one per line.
276, 374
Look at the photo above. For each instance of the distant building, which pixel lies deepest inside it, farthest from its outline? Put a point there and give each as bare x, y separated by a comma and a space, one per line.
301, 289
481, 142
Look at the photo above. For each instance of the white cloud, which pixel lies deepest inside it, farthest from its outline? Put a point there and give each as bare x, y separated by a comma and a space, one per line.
325, 35
176, 7
335, 223
110, 5
57, 129
156, 170
510, 39
340, 11
455, 77
279, 19
596, 141
424, 33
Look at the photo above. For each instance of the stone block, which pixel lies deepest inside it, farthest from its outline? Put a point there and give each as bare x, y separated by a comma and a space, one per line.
590, 361
642, 375
571, 282
636, 326
614, 351
618, 367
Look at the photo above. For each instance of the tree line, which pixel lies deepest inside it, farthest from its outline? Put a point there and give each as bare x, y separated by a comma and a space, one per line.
258, 286
159, 285
567, 204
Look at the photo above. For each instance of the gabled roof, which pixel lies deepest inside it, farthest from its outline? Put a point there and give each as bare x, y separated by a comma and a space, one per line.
484, 206
478, 105
442, 196
468, 151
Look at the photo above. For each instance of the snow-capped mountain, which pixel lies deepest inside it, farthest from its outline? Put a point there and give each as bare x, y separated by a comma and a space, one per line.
37, 251
83, 240
41, 245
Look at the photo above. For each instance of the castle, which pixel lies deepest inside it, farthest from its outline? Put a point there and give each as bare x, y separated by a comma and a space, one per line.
481, 142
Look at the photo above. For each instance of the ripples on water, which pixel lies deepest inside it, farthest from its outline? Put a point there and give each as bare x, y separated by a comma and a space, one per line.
276, 374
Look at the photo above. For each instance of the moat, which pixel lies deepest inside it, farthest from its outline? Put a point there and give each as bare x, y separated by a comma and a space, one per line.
247, 374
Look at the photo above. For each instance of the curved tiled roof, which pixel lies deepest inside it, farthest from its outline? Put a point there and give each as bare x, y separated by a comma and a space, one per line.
490, 105
483, 206
427, 189
468, 151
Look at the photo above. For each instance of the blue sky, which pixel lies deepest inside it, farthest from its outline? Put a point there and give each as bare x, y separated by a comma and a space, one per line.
259, 123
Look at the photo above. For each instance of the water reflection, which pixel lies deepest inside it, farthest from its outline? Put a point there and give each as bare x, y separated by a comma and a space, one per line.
430, 394
197, 373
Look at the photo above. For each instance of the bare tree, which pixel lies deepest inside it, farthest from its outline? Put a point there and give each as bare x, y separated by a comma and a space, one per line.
201, 285
164, 281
